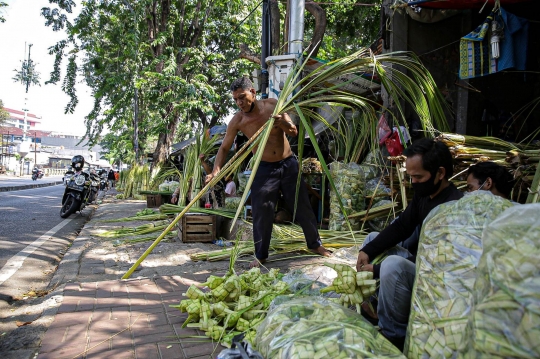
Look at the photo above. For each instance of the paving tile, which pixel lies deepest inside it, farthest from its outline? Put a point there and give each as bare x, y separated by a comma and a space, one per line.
115, 353
176, 318
86, 303
170, 351
62, 340
157, 335
103, 293
68, 319
135, 309
200, 350
71, 287
98, 270
65, 352
111, 302
101, 314
146, 351
123, 339
183, 332
172, 295
67, 308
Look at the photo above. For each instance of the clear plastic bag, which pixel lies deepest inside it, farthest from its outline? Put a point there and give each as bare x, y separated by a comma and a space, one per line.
350, 181
316, 328
448, 254
173, 185
375, 187
164, 187
380, 223
506, 314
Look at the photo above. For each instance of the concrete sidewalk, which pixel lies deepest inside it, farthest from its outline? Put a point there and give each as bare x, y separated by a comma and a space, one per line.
102, 316
11, 183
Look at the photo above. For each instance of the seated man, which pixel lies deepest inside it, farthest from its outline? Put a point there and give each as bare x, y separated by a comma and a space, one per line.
489, 176
429, 164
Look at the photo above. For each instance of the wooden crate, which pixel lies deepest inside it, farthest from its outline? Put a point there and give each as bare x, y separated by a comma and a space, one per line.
197, 227
153, 200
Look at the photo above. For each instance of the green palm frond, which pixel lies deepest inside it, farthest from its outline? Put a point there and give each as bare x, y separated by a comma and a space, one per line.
402, 74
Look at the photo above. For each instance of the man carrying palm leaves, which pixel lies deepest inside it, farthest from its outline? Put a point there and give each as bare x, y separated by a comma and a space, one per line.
277, 171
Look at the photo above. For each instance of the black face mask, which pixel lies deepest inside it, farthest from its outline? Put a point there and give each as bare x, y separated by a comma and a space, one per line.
424, 189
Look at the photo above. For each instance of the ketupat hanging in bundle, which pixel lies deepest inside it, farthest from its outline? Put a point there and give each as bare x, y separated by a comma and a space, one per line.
315, 328
249, 294
448, 253
350, 182
505, 320
353, 286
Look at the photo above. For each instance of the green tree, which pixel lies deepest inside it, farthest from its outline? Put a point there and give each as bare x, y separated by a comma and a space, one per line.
350, 26
4, 115
180, 54
2, 5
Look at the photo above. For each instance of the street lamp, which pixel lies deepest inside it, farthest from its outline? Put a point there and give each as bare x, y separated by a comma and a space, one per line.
135, 91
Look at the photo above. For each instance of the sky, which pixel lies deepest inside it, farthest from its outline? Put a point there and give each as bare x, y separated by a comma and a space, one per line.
24, 23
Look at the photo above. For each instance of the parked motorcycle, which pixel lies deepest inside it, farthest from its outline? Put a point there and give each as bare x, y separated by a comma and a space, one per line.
78, 189
37, 173
94, 187
103, 183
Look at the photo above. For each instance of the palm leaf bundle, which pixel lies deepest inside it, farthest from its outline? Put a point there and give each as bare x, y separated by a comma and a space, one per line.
134, 180
403, 76
521, 160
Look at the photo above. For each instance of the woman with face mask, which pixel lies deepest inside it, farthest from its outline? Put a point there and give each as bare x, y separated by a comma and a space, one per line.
489, 176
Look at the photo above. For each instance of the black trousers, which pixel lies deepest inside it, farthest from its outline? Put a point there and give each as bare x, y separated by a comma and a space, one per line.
270, 178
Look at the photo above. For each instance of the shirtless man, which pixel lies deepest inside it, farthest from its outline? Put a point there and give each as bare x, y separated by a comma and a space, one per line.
278, 169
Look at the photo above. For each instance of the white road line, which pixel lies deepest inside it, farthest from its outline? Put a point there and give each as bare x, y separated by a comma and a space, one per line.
16, 262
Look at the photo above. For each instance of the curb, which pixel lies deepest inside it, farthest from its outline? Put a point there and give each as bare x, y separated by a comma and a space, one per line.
29, 186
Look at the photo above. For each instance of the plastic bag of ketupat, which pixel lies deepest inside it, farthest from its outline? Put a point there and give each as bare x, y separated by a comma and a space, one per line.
505, 320
448, 254
350, 180
306, 281
315, 328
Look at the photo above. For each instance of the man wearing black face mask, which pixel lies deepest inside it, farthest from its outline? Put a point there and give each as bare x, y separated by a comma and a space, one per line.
429, 165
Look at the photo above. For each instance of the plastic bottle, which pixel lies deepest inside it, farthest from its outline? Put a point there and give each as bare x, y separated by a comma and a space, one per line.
222, 243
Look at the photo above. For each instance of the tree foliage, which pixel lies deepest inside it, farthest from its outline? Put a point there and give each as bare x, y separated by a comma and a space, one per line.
4, 115
2, 5
180, 54
350, 26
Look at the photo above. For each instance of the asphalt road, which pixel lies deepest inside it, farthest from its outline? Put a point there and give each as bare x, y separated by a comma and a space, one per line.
20, 181
31, 240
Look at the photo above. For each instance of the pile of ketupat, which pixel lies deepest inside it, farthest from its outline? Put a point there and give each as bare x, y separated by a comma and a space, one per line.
354, 287
315, 328
505, 319
448, 254
234, 304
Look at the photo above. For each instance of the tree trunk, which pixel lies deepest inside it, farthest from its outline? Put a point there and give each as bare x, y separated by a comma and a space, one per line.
161, 153
274, 10
320, 27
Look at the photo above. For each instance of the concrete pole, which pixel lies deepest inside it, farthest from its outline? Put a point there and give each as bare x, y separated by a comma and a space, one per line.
296, 21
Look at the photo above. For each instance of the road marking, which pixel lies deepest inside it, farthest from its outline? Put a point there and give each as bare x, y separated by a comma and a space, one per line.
16, 262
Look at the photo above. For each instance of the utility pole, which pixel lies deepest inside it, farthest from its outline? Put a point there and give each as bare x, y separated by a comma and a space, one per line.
135, 91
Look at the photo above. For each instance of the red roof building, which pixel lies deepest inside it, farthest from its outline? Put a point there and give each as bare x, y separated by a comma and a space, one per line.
16, 119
